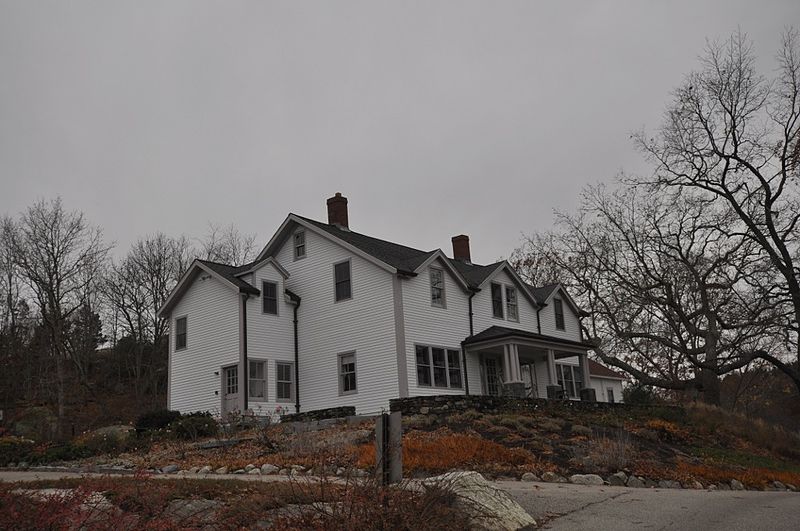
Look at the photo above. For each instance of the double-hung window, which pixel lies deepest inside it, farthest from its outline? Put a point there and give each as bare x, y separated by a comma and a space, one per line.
343, 287
299, 245
438, 367
512, 308
180, 333
347, 373
284, 381
497, 300
269, 296
558, 308
257, 380
437, 287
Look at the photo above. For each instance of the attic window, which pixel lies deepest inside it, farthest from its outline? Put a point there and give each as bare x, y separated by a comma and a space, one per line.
299, 245
558, 307
497, 300
437, 287
180, 333
512, 308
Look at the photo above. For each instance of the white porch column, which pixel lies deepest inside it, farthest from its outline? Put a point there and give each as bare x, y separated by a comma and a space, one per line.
515, 368
551, 367
508, 375
583, 360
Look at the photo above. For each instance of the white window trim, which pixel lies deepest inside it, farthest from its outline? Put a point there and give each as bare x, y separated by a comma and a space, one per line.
184, 347
443, 303
574, 370
507, 287
294, 245
502, 300
429, 353
350, 262
340, 374
277, 298
251, 398
291, 382
563, 315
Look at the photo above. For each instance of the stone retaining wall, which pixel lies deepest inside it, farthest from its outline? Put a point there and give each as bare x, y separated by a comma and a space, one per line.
446, 404
320, 414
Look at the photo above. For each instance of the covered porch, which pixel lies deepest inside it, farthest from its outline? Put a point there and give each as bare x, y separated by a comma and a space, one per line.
525, 364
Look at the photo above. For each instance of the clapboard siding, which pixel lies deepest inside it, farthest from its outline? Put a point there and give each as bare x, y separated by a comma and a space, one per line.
363, 324
602, 385
212, 313
433, 326
482, 307
547, 317
269, 337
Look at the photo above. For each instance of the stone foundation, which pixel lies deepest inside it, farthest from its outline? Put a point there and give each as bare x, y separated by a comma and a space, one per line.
320, 414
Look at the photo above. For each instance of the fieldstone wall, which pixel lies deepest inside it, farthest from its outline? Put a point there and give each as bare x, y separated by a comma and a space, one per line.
320, 414
447, 404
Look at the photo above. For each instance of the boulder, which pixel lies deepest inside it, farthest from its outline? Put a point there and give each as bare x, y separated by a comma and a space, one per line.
205, 470
169, 469
249, 467
194, 470
778, 485
668, 484
712, 487
341, 471
791, 487
736, 485
239, 471
487, 506
635, 483
266, 468
723, 486
552, 477
586, 479
255, 472
620, 479
192, 511
530, 476
221, 470
696, 485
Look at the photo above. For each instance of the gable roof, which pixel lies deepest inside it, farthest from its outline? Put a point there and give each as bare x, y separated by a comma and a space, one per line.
222, 272
601, 371
543, 293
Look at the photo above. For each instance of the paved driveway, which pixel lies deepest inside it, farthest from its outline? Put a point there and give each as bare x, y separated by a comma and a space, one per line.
575, 507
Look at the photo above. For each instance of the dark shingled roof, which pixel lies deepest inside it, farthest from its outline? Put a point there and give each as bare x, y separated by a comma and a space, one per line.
229, 272
541, 294
601, 371
501, 332
398, 256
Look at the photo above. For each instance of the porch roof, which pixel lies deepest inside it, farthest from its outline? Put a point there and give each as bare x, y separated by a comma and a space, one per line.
495, 333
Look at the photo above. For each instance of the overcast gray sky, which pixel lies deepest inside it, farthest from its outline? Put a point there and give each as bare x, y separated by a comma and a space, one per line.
433, 117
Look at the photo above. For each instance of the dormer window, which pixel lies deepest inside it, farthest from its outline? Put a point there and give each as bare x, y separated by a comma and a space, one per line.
299, 245
269, 297
437, 287
558, 307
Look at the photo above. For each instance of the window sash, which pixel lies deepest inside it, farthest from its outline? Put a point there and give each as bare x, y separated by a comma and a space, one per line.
438, 367
300, 244
558, 308
497, 301
512, 308
284, 379
181, 334
257, 379
347, 373
342, 281
437, 287
269, 296
232, 380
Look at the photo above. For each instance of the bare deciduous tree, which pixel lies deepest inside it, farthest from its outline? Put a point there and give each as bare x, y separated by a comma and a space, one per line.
733, 137
227, 245
59, 256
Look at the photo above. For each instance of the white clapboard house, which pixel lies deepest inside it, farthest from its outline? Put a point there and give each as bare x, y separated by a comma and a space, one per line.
327, 317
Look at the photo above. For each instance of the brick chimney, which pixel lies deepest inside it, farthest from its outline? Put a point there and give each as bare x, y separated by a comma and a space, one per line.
337, 210
461, 248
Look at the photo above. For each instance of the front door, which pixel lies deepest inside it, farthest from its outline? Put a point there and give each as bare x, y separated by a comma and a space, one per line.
492, 383
230, 389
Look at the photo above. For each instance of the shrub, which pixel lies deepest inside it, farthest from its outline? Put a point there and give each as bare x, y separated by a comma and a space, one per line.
194, 425
639, 394
611, 453
15, 449
156, 420
59, 452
